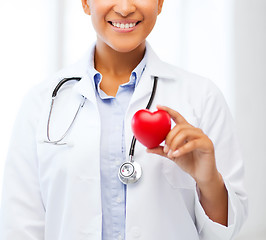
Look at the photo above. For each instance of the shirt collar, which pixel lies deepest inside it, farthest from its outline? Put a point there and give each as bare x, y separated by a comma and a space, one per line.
135, 74
139, 69
86, 87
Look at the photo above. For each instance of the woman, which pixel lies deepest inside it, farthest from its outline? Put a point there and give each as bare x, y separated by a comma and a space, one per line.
191, 187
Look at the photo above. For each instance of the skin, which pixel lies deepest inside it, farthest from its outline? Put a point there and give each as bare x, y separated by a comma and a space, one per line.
116, 55
194, 153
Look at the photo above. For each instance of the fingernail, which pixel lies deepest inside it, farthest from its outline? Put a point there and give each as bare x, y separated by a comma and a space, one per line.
170, 153
166, 149
176, 153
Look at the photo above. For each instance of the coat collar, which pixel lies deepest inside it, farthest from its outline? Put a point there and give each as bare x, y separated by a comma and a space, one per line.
154, 67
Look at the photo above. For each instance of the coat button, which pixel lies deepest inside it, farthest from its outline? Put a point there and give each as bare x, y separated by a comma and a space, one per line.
135, 232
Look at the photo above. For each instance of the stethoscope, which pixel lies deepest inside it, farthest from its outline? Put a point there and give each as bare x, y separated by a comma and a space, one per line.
129, 171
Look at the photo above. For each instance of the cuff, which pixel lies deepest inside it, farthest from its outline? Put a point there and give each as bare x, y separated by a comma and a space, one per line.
209, 229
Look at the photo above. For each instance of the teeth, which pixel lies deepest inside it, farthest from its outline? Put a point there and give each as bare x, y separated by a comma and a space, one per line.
124, 26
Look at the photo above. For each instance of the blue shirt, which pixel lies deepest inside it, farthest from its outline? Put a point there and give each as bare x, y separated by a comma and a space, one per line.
112, 112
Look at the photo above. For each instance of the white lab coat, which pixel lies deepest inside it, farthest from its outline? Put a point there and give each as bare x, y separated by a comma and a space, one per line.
53, 192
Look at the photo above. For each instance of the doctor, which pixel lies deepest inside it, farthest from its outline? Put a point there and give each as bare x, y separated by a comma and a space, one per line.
191, 186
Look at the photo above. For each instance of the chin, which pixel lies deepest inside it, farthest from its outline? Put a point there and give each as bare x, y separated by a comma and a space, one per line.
126, 46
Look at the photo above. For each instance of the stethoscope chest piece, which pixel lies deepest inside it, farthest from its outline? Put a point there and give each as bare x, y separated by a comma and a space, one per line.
129, 172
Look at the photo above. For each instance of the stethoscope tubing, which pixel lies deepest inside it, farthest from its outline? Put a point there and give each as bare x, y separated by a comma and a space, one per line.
58, 142
135, 172
54, 94
133, 142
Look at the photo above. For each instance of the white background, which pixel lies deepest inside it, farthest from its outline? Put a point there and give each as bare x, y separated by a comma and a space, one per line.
220, 39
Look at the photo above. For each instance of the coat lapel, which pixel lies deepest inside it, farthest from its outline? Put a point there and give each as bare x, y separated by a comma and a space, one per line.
154, 67
86, 88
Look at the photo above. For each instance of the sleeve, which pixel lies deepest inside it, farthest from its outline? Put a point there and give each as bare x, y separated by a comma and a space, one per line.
217, 123
22, 212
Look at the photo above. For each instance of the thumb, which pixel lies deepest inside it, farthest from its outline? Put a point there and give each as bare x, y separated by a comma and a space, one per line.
176, 116
157, 150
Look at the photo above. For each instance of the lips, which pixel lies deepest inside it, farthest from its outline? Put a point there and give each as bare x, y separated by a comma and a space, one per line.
127, 25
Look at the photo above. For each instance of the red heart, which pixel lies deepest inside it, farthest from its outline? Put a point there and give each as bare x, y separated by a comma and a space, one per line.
151, 128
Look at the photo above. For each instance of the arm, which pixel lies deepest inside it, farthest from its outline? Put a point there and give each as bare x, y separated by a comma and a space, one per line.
220, 202
214, 199
193, 152
22, 210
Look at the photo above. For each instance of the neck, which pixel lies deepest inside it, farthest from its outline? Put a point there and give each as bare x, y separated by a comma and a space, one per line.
108, 60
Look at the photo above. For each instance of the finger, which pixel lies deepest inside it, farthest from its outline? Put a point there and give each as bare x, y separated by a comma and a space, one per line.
188, 148
173, 133
177, 117
186, 132
157, 150
183, 137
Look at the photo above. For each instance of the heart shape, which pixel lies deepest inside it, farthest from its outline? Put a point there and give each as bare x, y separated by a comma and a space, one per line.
151, 128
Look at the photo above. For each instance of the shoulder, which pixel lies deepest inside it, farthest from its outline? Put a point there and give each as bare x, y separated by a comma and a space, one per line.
188, 84
39, 96
194, 96
174, 75
45, 88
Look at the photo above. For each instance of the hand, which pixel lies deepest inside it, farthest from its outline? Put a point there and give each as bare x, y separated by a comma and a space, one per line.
189, 148
193, 152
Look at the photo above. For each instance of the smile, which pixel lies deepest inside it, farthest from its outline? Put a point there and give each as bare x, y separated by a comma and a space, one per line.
124, 25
